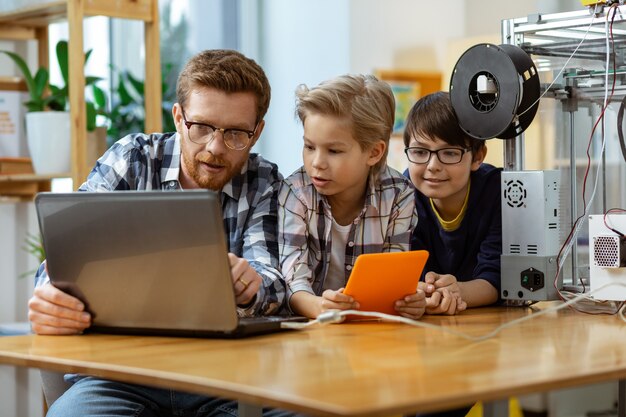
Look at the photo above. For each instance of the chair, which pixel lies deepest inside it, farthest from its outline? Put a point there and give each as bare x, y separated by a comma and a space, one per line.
53, 386
52, 383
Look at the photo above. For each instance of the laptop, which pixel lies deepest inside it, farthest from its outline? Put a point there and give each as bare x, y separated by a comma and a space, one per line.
146, 262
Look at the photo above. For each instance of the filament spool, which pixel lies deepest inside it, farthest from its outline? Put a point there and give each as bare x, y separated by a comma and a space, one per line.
494, 90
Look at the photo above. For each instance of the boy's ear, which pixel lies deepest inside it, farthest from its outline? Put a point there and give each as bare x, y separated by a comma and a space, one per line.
376, 152
478, 157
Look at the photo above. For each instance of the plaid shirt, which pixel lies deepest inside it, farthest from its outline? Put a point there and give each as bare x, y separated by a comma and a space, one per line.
152, 162
305, 221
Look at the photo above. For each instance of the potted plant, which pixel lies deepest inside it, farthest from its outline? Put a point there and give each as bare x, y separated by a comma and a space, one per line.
127, 113
127, 110
47, 119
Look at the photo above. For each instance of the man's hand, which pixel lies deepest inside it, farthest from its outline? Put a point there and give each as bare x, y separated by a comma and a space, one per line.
51, 311
246, 281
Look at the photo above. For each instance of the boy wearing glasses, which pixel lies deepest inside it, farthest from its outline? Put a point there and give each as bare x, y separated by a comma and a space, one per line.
458, 204
345, 200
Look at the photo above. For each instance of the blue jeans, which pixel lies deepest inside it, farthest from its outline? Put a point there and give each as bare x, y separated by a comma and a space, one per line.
91, 396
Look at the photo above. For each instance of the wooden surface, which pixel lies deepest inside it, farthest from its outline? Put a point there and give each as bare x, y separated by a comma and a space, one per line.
356, 369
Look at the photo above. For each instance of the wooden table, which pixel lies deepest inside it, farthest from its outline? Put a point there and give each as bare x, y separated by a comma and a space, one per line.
357, 369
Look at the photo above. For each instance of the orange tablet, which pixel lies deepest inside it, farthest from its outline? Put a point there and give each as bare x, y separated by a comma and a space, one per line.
378, 280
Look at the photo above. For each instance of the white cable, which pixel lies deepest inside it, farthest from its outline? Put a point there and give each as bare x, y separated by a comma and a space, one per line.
592, 306
337, 316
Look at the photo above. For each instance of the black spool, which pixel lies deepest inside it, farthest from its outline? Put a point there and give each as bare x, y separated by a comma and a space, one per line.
509, 108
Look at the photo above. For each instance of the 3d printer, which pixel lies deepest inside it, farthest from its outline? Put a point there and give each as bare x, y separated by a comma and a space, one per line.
557, 220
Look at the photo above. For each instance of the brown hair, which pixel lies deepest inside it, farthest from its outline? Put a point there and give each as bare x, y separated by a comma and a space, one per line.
433, 117
367, 102
228, 71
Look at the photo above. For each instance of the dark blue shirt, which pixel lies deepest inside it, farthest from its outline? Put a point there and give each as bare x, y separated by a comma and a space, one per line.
473, 250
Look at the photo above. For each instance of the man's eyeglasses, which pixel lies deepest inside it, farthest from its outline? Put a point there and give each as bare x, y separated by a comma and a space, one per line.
448, 156
203, 133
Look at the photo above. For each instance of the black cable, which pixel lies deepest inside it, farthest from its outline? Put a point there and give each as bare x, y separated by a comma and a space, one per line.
620, 131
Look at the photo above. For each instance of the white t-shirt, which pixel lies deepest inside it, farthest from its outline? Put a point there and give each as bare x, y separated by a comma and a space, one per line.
336, 277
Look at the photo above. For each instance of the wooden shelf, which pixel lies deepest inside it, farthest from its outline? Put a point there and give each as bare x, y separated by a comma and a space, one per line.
40, 15
32, 177
31, 22
26, 186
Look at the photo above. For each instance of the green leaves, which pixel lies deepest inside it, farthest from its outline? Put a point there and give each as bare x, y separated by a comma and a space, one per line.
127, 113
33, 244
63, 60
58, 96
35, 84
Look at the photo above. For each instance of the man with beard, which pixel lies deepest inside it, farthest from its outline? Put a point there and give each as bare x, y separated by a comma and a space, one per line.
222, 99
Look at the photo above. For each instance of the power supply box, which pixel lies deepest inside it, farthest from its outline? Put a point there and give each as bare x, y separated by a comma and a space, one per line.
530, 235
607, 257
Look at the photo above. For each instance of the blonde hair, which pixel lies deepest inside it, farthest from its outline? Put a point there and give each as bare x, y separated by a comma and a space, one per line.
364, 100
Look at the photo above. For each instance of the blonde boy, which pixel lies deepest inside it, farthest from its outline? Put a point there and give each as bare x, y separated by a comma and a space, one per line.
345, 200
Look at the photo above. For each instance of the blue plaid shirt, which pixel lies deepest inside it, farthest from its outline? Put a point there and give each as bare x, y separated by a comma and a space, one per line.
249, 203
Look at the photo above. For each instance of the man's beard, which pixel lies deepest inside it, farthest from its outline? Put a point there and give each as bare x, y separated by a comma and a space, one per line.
211, 181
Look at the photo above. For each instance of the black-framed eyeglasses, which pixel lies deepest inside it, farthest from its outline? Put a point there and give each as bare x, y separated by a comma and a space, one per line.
203, 133
448, 156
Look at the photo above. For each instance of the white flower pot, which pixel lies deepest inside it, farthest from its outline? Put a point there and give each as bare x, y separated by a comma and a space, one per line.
49, 143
